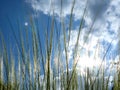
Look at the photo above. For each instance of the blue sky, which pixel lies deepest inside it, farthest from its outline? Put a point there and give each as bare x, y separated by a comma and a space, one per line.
106, 27
14, 10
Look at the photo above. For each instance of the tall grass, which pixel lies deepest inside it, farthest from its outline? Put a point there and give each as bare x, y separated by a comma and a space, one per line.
40, 65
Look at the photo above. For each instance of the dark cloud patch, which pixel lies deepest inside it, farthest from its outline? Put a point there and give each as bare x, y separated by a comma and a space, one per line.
65, 3
98, 7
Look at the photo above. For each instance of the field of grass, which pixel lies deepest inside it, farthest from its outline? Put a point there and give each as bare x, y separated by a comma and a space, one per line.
39, 65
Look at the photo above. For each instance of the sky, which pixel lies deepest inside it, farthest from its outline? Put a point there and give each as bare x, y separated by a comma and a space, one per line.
14, 10
106, 28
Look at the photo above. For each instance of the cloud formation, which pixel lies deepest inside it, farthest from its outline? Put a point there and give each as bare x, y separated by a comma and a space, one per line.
46, 6
106, 11
105, 28
98, 6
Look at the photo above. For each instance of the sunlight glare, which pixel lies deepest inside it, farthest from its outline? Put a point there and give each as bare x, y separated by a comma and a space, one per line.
26, 23
88, 62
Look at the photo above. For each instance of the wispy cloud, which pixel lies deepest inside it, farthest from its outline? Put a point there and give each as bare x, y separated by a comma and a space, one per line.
107, 11
46, 6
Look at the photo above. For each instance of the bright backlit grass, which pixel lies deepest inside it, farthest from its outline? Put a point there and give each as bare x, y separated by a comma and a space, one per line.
44, 64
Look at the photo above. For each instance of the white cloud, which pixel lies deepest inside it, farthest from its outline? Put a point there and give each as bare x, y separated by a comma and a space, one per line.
107, 18
46, 6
